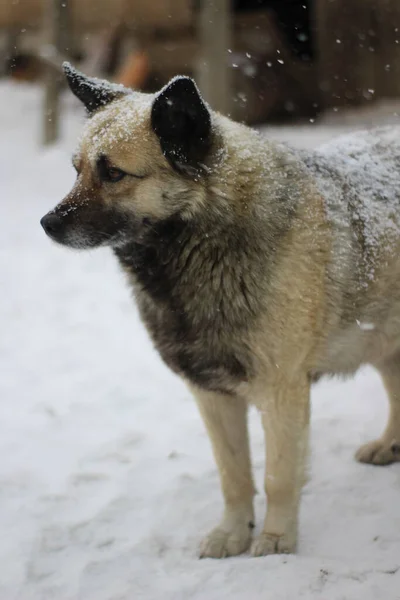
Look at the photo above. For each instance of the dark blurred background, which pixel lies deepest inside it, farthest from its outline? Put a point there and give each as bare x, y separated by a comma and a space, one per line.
257, 60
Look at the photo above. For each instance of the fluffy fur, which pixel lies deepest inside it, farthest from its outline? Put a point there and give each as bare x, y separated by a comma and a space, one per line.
256, 270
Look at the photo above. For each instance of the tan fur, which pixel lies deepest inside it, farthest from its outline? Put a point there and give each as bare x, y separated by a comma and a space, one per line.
249, 289
226, 422
386, 449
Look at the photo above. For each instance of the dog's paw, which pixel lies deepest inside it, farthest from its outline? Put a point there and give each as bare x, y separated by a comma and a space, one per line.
268, 543
379, 452
221, 543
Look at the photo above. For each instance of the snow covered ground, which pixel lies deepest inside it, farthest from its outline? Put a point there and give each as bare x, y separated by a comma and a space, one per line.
107, 482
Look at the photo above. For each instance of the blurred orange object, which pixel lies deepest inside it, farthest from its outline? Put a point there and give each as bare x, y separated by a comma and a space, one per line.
135, 70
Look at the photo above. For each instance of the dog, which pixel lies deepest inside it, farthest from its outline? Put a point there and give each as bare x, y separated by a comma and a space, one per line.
256, 268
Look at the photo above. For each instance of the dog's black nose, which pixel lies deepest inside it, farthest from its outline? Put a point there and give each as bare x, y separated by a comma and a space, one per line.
52, 224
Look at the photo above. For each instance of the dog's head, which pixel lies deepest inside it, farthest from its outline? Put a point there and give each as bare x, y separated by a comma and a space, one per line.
142, 158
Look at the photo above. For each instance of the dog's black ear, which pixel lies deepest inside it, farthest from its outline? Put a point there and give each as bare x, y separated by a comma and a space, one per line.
94, 93
182, 122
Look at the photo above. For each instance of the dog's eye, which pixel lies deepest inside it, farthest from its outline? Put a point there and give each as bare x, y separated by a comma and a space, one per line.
114, 174
111, 174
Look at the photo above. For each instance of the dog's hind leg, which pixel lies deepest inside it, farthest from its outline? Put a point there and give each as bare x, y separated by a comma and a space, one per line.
386, 449
225, 418
285, 416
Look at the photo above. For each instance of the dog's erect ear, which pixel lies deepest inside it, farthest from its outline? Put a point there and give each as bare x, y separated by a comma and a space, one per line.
182, 122
94, 93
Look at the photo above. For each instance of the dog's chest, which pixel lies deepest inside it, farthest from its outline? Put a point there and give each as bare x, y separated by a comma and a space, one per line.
185, 321
193, 349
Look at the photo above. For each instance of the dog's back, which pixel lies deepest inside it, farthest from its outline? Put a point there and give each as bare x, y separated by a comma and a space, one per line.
359, 177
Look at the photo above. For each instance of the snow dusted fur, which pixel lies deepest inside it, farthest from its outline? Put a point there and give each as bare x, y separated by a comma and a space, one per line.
256, 270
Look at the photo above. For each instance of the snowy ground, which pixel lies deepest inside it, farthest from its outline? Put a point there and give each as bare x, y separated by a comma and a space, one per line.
106, 477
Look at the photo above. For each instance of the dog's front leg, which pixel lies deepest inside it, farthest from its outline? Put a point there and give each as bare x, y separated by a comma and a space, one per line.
285, 417
225, 418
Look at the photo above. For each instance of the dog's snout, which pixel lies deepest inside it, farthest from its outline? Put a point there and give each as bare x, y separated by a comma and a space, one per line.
52, 224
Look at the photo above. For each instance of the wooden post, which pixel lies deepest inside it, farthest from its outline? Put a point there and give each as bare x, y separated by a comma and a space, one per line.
57, 33
11, 45
214, 74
